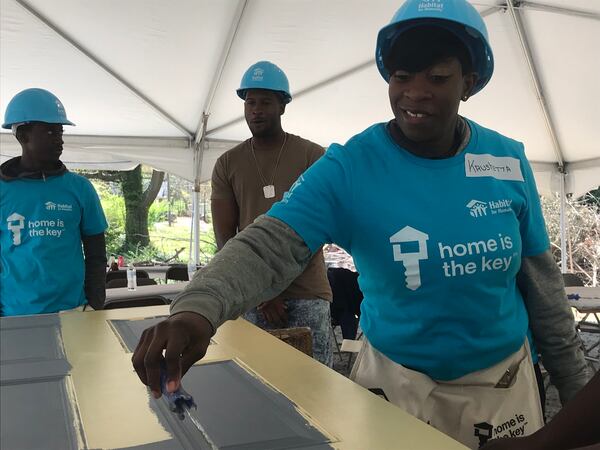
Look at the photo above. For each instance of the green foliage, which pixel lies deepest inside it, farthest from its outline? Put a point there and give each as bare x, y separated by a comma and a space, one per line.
158, 212
180, 207
148, 254
176, 238
208, 244
114, 210
165, 241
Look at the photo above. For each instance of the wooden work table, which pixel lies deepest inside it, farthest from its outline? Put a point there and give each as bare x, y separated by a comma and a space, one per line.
114, 407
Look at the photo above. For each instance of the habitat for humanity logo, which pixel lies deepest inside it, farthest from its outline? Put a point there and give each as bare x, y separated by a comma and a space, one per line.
16, 222
410, 247
51, 206
514, 427
257, 75
478, 208
431, 5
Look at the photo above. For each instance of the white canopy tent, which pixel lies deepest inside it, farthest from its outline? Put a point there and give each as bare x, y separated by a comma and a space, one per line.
154, 82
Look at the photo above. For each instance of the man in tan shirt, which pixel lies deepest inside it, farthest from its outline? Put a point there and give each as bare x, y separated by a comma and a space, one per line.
248, 179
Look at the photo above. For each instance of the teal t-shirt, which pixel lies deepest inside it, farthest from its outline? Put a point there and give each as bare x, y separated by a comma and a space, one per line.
437, 243
41, 226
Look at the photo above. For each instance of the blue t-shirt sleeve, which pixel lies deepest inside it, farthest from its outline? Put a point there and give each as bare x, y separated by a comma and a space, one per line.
93, 220
316, 204
531, 220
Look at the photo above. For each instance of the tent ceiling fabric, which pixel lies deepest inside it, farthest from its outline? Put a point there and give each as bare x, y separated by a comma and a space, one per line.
136, 75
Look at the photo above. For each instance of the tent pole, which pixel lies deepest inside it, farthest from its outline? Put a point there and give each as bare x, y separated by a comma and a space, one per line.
218, 75
198, 157
533, 73
195, 225
560, 10
563, 230
169, 200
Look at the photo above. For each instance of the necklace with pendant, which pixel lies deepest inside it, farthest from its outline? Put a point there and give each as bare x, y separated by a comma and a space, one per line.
268, 188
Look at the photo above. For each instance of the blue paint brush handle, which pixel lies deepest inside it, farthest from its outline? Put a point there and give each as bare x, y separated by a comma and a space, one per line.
179, 401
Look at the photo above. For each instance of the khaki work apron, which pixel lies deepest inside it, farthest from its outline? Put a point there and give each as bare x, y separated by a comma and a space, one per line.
472, 409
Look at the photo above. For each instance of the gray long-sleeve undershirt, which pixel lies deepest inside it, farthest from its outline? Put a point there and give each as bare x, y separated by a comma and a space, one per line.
552, 324
254, 266
261, 261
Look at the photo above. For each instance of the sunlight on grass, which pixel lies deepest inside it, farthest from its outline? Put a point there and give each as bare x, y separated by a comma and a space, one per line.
170, 239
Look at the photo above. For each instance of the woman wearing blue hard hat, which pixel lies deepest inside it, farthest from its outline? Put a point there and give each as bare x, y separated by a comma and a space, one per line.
449, 241
52, 245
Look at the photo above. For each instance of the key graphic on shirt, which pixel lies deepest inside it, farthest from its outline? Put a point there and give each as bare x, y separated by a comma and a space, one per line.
410, 247
16, 222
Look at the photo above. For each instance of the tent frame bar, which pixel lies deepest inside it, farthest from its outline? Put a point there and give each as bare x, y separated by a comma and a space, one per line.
559, 10
563, 223
218, 75
327, 81
307, 90
534, 6
104, 67
533, 72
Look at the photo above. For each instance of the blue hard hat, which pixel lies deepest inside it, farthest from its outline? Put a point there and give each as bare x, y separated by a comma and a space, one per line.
35, 105
457, 16
265, 75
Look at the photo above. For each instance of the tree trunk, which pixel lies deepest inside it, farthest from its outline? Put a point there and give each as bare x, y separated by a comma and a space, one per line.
137, 203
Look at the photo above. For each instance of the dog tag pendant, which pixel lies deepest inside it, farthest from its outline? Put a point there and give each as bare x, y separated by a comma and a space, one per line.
269, 191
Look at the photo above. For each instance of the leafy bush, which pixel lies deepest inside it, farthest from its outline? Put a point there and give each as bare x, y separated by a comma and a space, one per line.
114, 210
148, 254
158, 212
165, 241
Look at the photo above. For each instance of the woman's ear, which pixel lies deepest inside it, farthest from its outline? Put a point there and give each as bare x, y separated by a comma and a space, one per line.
469, 81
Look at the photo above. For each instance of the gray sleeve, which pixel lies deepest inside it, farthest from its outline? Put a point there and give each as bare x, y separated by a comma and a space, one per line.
552, 324
255, 266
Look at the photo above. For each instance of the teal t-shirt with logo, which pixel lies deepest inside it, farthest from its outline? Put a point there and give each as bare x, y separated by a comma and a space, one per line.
437, 242
41, 226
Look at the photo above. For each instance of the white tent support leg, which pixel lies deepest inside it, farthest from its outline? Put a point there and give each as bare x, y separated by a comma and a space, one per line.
563, 227
196, 225
199, 146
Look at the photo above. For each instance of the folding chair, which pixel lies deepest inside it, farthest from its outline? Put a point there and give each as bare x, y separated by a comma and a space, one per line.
587, 351
177, 272
300, 338
571, 279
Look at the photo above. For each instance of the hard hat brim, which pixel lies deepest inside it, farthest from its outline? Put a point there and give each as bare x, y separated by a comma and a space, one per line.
483, 60
8, 125
241, 93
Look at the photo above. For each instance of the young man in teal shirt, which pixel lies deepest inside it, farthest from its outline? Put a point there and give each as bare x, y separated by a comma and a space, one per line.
46, 214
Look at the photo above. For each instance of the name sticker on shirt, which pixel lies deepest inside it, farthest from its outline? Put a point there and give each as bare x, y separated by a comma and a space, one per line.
499, 167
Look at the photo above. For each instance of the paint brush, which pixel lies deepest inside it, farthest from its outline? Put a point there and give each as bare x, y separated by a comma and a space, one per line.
179, 401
